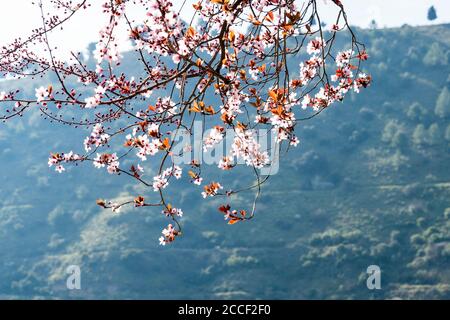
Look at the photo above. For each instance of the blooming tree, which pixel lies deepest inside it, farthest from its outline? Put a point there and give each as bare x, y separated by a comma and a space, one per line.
227, 67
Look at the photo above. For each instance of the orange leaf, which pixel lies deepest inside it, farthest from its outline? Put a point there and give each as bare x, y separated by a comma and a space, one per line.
253, 20
274, 95
231, 36
241, 125
226, 119
139, 200
101, 202
195, 107
287, 27
191, 32
262, 68
293, 18
243, 75
209, 110
192, 174
128, 143
224, 208
143, 124
270, 16
197, 6
278, 110
166, 143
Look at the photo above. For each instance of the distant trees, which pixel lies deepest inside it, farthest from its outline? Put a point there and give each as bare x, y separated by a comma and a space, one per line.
416, 112
394, 134
367, 114
442, 108
434, 135
373, 24
435, 56
421, 136
432, 13
447, 133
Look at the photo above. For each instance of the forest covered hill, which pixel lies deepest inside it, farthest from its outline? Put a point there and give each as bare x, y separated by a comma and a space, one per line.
369, 184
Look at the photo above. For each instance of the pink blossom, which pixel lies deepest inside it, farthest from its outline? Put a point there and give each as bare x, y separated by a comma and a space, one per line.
43, 94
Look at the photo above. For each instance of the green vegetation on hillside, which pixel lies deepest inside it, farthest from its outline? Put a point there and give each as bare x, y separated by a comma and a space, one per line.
368, 184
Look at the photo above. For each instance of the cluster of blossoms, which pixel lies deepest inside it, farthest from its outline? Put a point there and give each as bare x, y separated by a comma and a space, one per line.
143, 144
172, 211
230, 68
97, 138
162, 23
165, 105
110, 160
232, 216
195, 178
56, 159
169, 234
246, 147
114, 206
211, 189
95, 100
344, 76
107, 46
226, 163
315, 46
43, 94
161, 181
215, 136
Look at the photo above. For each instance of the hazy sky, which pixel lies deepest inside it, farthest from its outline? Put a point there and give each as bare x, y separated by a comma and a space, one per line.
19, 16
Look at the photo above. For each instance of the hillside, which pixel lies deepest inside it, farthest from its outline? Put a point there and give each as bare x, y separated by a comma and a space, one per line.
369, 184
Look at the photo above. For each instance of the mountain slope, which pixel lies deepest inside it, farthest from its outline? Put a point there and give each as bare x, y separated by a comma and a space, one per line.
369, 184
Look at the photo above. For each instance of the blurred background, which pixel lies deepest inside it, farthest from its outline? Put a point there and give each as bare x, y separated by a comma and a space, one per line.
369, 184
